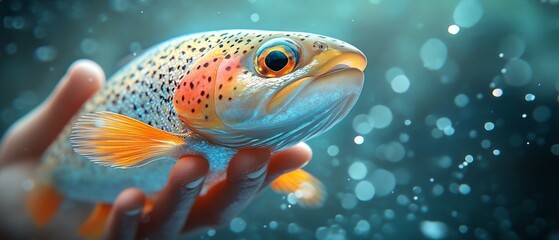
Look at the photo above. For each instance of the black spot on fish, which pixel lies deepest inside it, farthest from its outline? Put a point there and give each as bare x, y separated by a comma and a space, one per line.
206, 65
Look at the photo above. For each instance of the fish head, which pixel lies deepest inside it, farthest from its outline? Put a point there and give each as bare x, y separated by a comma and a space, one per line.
271, 89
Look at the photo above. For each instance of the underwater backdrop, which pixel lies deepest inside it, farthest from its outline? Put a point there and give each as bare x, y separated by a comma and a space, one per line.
455, 135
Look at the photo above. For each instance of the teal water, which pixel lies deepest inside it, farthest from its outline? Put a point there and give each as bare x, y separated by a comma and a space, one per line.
455, 134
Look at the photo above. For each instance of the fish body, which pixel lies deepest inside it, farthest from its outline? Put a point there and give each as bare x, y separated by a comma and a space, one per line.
213, 93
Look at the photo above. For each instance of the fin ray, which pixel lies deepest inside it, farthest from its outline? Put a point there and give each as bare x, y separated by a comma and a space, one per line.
119, 141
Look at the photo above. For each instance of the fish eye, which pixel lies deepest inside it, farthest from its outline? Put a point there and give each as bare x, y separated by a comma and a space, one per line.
277, 57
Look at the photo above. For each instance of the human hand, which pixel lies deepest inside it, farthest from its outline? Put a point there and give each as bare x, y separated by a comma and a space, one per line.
24, 143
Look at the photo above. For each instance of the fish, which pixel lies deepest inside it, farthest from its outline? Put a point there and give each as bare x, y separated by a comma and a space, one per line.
208, 94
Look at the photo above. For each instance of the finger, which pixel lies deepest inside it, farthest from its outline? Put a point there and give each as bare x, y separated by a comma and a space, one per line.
286, 161
126, 215
173, 203
30, 136
227, 198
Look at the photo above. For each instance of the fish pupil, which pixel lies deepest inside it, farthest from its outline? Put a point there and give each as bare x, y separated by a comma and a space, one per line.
276, 60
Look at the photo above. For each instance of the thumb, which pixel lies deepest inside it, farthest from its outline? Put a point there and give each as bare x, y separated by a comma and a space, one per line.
30, 136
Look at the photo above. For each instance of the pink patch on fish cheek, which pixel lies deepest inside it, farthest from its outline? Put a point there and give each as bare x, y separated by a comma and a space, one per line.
193, 99
227, 80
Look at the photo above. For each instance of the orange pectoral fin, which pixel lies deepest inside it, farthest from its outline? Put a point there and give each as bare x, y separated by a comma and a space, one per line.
308, 189
94, 226
119, 141
42, 202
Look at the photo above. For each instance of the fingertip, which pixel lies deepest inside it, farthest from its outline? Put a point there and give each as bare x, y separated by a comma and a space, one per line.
130, 199
249, 163
189, 170
84, 77
290, 159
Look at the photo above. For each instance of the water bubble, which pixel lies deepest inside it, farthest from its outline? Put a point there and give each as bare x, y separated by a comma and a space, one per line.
381, 116
530, 97
443, 123
433, 54
467, 13
389, 214
358, 140
237, 225
541, 114
463, 229
120, 5
392, 73
453, 29
444, 162
438, 190
254, 17
496, 152
46, 53
394, 152
489, 126
383, 181
461, 100
464, 189
349, 201
485, 144
293, 228
135, 47
400, 84
332, 150
404, 137
362, 227
321, 233
518, 72
433, 229
497, 92
364, 190
403, 200
273, 225
15, 22
88, 45
469, 158
39, 32
555, 149
362, 124
511, 47
357, 170
407, 122
11, 48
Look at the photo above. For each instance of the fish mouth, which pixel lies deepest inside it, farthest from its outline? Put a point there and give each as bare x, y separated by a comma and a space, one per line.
338, 78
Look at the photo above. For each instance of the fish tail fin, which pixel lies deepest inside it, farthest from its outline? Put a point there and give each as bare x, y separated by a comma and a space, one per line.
42, 202
119, 141
307, 188
94, 226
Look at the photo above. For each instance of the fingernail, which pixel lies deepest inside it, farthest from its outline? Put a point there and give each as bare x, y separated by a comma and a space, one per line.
195, 184
258, 173
133, 212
